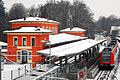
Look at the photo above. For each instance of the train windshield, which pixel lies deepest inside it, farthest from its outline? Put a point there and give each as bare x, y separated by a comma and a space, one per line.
106, 54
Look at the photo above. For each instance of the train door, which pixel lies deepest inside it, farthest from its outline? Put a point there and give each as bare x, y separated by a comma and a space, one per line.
24, 56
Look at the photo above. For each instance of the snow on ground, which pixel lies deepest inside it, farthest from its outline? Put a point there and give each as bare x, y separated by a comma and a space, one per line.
11, 67
116, 75
13, 71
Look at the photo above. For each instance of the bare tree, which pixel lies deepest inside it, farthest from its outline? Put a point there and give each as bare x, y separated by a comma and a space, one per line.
17, 11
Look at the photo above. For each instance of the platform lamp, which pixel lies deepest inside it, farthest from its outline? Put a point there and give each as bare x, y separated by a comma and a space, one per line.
49, 44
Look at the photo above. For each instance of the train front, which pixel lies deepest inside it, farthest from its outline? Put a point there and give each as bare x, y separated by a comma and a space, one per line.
106, 57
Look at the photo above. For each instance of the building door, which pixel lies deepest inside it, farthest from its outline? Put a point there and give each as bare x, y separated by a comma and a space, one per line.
24, 56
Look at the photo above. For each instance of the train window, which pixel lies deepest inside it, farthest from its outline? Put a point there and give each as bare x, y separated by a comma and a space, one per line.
107, 49
106, 58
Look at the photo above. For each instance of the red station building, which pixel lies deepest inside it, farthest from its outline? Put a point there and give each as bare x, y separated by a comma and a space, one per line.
74, 31
24, 42
36, 21
27, 36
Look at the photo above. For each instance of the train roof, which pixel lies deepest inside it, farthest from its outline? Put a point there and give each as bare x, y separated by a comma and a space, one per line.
107, 49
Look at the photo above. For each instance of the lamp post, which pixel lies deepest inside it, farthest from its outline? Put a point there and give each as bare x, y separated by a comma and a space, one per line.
49, 44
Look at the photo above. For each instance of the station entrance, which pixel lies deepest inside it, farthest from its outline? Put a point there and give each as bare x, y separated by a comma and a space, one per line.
24, 56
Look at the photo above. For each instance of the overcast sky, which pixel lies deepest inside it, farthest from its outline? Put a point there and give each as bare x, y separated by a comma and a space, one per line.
98, 7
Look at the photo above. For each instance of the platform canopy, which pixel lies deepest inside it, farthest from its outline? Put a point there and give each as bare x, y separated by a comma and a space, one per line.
63, 37
70, 49
3, 43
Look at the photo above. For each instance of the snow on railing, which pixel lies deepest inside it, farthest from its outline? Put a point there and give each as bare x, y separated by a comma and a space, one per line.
47, 75
16, 72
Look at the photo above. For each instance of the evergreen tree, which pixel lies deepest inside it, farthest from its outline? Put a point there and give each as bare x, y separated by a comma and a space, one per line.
3, 22
2, 13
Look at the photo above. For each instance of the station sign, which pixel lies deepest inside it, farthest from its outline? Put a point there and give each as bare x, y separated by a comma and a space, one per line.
82, 74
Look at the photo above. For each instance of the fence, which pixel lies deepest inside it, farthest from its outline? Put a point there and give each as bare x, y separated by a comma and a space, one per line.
51, 74
16, 72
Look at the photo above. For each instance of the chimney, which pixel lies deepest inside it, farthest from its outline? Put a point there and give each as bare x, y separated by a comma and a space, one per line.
71, 28
24, 18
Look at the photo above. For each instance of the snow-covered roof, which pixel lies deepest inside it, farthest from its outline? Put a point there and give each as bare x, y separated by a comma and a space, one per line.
3, 43
73, 29
63, 37
4, 50
70, 49
29, 30
33, 19
115, 27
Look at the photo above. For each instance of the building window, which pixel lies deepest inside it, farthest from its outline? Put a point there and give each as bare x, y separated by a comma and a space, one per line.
33, 41
19, 55
30, 55
53, 30
15, 41
24, 42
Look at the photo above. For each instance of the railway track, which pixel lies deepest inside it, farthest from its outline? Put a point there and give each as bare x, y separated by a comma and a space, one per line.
104, 75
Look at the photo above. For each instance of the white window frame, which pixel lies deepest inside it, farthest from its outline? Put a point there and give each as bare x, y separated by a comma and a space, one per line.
14, 41
19, 55
31, 41
23, 42
29, 56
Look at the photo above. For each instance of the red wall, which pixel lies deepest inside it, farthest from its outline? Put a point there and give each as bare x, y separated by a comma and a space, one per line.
82, 34
12, 50
45, 25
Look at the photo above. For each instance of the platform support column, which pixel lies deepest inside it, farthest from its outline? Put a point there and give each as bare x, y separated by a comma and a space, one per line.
75, 57
61, 64
90, 52
66, 65
93, 52
79, 58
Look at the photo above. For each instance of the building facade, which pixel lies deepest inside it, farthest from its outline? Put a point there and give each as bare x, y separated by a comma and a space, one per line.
23, 44
36, 21
74, 31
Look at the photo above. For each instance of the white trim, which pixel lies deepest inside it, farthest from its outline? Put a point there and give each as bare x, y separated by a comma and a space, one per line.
29, 55
19, 60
